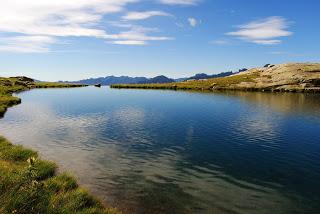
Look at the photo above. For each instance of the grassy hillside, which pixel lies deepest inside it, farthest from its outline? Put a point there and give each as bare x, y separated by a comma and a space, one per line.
29, 184
293, 77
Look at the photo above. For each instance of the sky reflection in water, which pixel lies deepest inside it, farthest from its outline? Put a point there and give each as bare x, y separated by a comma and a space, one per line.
179, 152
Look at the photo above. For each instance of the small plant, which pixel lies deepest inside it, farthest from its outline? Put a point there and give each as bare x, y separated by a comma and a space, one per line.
31, 161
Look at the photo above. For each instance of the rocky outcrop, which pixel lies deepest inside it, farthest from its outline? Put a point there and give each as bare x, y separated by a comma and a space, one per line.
293, 77
17, 81
24, 79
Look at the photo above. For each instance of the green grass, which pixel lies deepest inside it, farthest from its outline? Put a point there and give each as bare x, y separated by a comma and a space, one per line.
56, 85
210, 84
30, 185
7, 100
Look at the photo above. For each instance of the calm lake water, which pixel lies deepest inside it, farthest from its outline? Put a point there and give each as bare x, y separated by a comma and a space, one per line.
179, 152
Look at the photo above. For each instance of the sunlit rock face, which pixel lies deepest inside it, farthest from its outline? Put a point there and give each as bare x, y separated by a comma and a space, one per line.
287, 77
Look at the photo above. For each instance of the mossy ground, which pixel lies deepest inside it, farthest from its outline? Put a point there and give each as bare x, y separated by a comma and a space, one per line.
29, 184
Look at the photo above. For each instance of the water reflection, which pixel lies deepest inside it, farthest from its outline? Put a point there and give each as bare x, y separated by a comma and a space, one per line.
289, 103
177, 152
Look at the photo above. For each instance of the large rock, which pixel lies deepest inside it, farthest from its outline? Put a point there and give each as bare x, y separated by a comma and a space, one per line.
286, 77
5, 82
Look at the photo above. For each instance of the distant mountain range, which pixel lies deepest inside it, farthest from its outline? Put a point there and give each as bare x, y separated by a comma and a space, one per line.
159, 79
110, 80
206, 76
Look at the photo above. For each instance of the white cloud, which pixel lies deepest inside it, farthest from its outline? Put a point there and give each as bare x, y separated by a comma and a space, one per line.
180, 2
267, 42
193, 22
56, 18
129, 42
43, 22
133, 34
26, 44
137, 33
144, 15
266, 31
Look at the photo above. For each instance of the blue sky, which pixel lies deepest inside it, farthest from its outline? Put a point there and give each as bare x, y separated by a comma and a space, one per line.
71, 40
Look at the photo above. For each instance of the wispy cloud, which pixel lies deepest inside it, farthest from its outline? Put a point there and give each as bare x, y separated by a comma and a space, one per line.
136, 35
57, 18
144, 15
219, 42
129, 42
193, 22
267, 42
38, 24
26, 44
180, 2
265, 31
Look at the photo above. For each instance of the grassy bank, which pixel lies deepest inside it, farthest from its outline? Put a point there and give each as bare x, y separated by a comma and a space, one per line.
209, 84
57, 85
29, 184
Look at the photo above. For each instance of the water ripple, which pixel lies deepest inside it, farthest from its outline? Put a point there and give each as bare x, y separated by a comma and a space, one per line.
177, 152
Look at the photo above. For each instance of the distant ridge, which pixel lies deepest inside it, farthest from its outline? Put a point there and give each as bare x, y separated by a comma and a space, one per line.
111, 80
206, 76
158, 79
